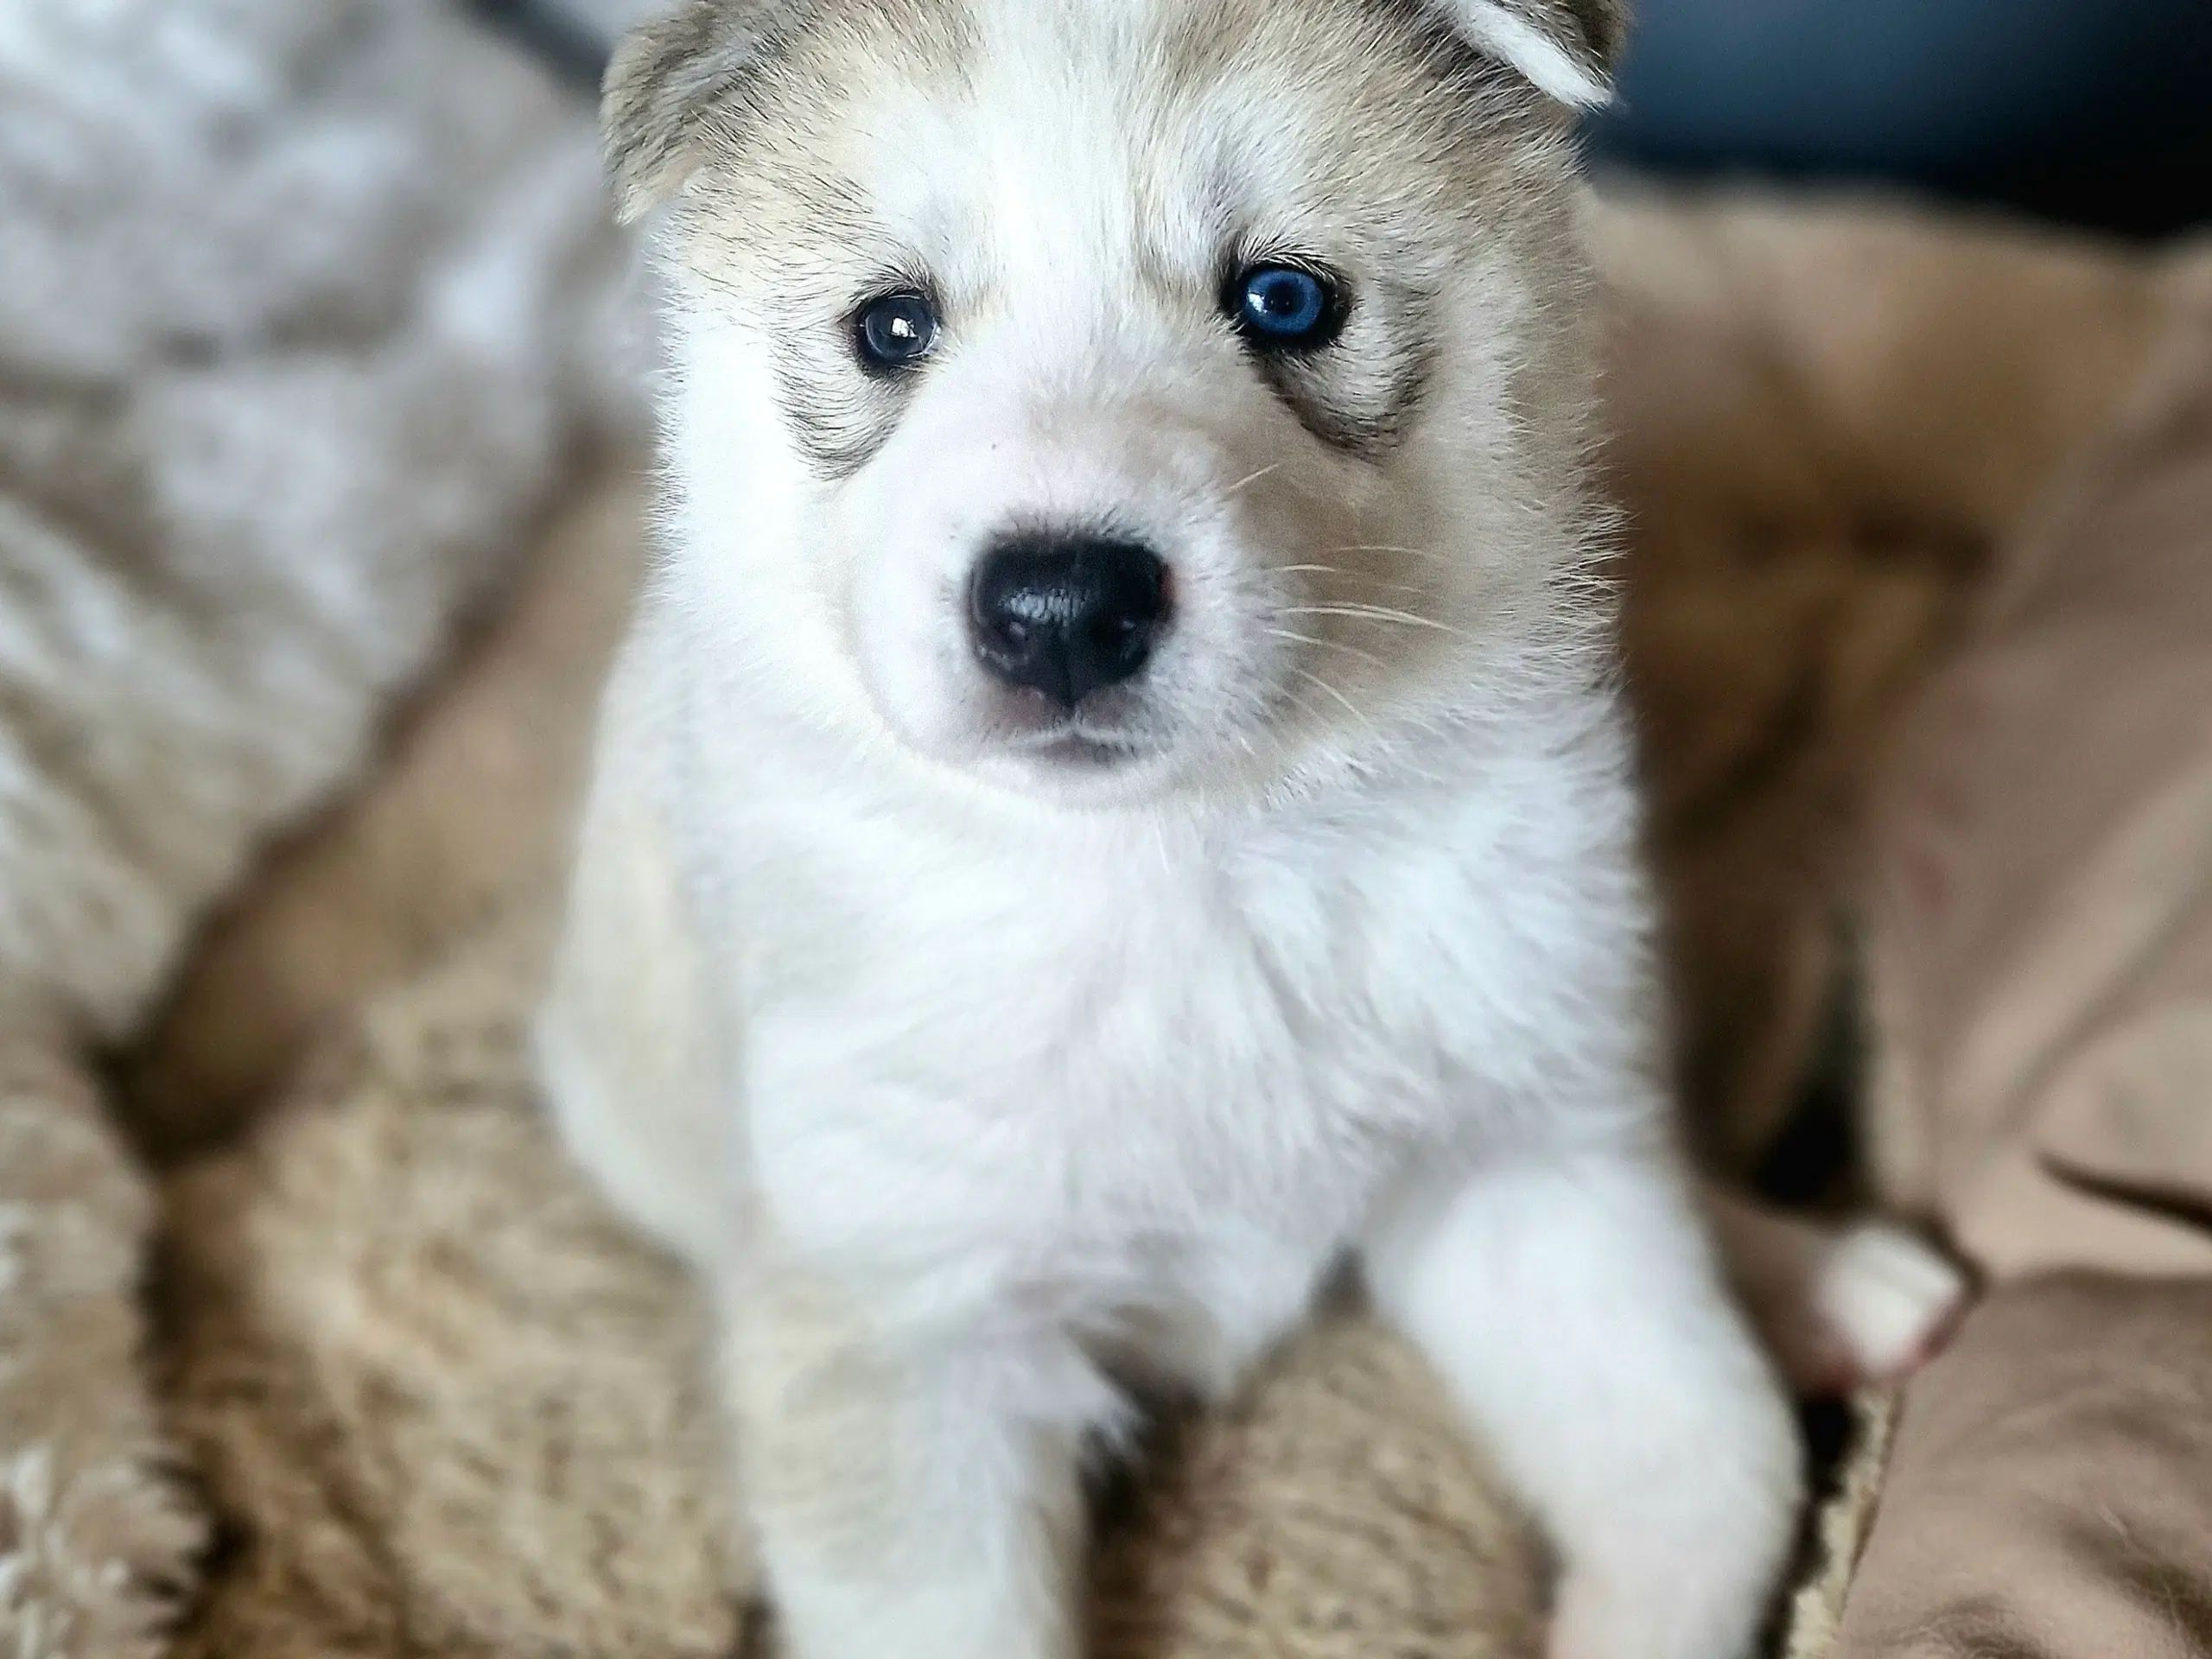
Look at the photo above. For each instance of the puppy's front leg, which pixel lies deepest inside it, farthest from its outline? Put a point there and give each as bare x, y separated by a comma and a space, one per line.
1572, 1306
911, 1498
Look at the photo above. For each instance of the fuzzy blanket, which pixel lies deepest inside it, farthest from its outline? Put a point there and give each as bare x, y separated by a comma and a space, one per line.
303, 305
443, 1407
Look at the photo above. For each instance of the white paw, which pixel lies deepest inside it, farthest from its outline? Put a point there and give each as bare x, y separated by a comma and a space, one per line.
1692, 1577
1886, 1302
1589, 1625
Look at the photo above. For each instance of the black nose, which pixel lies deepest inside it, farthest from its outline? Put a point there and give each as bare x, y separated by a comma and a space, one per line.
1067, 617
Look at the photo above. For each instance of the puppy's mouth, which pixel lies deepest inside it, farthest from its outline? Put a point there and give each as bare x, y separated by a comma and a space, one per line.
1081, 746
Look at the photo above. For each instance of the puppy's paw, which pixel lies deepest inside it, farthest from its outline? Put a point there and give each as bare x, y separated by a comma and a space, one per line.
1593, 1623
1885, 1303
1586, 1626
1685, 1555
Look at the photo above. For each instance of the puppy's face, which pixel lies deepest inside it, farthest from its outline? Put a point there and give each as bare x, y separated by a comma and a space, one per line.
1108, 398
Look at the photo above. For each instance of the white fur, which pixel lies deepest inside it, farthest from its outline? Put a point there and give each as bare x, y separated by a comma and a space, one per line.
975, 1079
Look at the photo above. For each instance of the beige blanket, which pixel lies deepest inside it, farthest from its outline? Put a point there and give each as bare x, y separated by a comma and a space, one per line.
2039, 905
443, 1407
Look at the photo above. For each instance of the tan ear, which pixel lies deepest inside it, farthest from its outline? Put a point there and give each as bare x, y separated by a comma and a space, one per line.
666, 78
1567, 49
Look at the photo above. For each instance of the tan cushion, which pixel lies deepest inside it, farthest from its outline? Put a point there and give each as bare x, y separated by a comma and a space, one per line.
2040, 927
2049, 1492
2041, 914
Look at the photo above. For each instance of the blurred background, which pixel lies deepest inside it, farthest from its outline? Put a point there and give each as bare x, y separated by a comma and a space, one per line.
2096, 112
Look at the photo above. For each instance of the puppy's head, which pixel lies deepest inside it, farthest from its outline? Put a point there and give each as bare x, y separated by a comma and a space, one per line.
1107, 397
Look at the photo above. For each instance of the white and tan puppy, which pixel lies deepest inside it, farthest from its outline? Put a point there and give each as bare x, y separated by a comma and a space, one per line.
1117, 799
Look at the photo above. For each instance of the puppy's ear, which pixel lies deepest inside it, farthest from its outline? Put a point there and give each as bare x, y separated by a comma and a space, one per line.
1568, 49
667, 79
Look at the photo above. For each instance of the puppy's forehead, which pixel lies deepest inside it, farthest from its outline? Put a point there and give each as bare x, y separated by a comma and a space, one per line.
1152, 126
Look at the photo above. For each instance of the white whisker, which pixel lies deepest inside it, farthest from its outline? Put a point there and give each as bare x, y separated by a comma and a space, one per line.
1338, 570
1351, 707
1329, 645
1300, 704
1385, 547
1250, 479
1375, 614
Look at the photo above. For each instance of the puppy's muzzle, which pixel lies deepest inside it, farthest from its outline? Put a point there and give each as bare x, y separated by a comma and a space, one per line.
1067, 617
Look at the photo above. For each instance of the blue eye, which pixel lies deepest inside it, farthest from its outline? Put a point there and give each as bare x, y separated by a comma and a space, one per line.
897, 331
1283, 307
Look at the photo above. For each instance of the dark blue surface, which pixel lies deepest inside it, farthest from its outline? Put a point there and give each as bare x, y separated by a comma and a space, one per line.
570, 45
2093, 109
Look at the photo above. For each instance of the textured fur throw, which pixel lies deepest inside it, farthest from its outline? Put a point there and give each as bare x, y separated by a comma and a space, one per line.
300, 303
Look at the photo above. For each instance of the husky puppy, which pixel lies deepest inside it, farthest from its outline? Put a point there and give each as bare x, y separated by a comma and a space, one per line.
1118, 801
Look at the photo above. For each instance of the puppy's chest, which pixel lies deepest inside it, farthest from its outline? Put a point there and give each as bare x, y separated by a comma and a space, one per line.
1128, 1045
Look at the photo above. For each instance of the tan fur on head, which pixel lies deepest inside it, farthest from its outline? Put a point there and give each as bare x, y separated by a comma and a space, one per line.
665, 76
678, 84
